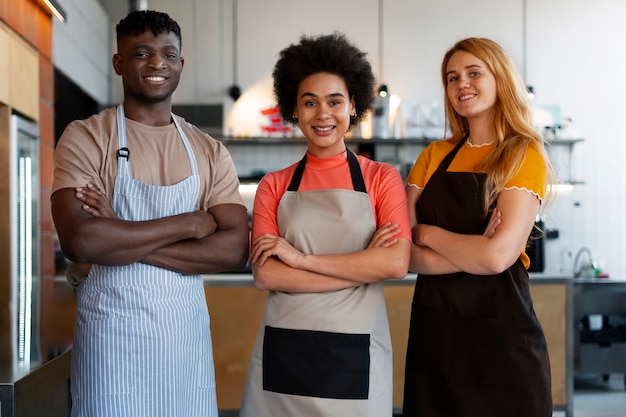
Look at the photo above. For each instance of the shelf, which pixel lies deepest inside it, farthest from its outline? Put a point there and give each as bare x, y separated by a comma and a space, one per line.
399, 151
561, 142
375, 141
262, 140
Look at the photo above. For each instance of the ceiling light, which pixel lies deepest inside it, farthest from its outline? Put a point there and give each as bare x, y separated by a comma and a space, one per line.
55, 8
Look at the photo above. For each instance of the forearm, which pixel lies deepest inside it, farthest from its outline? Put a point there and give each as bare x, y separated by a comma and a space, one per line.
108, 241
366, 266
426, 261
275, 275
225, 250
475, 254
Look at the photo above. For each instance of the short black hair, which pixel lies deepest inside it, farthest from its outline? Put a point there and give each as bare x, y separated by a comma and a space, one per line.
333, 54
138, 22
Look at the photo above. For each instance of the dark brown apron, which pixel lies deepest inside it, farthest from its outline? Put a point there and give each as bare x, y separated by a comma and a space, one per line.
475, 346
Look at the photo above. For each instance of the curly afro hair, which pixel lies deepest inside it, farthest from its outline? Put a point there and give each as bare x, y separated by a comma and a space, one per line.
333, 54
138, 22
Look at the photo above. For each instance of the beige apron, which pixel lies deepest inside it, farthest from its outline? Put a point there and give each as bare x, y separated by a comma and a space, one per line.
323, 354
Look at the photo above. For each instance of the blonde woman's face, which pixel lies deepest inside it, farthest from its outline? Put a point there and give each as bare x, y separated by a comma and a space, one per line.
470, 86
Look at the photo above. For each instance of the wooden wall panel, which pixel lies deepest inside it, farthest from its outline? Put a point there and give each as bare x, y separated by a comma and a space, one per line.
5, 82
24, 76
550, 303
398, 299
235, 319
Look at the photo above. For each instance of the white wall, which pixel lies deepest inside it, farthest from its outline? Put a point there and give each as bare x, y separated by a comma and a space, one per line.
571, 51
576, 56
81, 47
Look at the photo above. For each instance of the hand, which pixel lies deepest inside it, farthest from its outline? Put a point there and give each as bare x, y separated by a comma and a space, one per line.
268, 245
77, 272
203, 223
95, 202
384, 237
494, 222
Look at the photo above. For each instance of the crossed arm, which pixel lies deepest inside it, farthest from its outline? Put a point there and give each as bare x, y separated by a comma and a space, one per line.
278, 266
195, 242
439, 251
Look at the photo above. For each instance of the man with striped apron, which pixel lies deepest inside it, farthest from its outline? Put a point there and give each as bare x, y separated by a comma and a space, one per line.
323, 354
142, 343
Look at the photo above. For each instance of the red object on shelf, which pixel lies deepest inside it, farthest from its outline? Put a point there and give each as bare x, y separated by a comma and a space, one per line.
276, 125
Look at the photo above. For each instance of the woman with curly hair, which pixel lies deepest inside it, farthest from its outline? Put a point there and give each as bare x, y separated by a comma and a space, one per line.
327, 231
475, 346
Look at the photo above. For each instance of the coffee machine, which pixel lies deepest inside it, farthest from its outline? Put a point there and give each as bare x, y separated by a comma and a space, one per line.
380, 116
387, 118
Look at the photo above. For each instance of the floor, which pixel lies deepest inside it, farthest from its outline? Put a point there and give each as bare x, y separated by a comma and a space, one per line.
593, 397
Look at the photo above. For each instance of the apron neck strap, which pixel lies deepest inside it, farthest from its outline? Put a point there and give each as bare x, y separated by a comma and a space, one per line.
443, 166
358, 183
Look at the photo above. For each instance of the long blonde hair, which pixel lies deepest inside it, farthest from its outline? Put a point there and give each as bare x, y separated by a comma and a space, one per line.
513, 118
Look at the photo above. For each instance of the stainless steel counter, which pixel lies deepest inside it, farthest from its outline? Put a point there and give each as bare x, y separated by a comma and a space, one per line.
36, 391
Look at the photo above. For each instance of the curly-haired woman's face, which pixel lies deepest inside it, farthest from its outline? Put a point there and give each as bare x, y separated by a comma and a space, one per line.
471, 86
323, 109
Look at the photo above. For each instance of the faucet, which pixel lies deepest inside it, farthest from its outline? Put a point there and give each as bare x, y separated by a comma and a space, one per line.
578, 271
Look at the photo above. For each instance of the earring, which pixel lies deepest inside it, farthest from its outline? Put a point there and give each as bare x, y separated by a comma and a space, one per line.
353, 116
294, 119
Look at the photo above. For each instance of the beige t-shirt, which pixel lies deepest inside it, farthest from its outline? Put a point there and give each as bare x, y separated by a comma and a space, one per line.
87, 152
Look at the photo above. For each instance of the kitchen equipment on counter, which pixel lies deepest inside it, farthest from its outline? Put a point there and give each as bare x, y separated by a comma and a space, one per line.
535, 248
387, 121
380, 116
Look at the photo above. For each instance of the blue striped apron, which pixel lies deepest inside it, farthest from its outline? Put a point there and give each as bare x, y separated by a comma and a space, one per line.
142, 342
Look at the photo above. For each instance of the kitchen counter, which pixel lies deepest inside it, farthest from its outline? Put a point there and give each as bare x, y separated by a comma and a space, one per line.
245, 279
236, 308
35, 391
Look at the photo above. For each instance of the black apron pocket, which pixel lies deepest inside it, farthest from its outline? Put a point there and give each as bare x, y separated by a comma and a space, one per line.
316, 363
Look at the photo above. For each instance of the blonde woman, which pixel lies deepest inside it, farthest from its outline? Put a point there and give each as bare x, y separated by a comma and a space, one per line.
475, 346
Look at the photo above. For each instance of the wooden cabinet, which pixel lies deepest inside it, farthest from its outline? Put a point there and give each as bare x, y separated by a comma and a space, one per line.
4, 67
19, 74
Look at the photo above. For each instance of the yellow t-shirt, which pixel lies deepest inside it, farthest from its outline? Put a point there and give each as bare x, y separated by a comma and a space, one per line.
531, 176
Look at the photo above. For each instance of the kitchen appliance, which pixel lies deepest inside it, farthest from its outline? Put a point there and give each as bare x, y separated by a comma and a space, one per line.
535, 248
387, 121
24, 221
29, 386
380, 115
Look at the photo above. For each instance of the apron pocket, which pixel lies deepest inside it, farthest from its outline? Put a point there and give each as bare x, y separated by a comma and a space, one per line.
316, 363
103, 361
